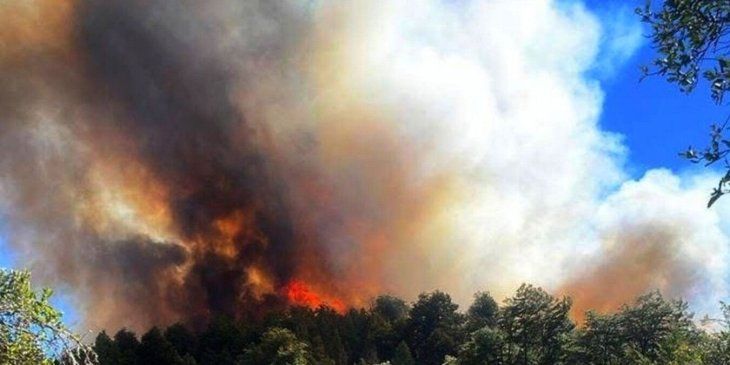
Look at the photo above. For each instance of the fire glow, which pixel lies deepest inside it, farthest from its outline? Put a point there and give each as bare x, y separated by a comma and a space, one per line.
298, 293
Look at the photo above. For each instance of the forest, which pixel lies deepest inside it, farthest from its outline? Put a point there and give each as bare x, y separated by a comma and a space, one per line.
531, 327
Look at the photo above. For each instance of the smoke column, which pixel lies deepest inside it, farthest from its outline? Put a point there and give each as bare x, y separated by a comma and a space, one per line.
168, 161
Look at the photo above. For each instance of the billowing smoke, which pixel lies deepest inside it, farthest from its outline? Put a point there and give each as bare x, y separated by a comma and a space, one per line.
654, 235
168, 161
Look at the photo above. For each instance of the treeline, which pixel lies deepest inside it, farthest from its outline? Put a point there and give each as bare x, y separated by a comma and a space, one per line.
532, 327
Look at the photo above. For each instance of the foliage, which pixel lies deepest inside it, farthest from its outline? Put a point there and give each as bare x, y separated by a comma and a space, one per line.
156, 349
107, 349
31, 331
403, 355
655, 327
182, 339
482, 312
716, 346
278, 346
435, 328
390, 308
532, 327
653, 331
485, 346
691, 38
537, 324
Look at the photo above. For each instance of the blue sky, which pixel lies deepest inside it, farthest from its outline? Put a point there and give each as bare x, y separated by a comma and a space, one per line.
6, 257
654, 118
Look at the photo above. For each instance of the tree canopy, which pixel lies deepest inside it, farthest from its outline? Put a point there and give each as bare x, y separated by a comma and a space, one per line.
693, 45
31, 331
532, 327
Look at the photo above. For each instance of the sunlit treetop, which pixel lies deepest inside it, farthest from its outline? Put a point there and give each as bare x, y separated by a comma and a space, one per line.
31, 330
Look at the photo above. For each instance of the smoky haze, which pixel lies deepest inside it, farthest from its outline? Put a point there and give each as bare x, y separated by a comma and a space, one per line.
169, 161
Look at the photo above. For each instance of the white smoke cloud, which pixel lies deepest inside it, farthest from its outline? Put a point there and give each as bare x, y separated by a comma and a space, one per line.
498, 94
494, 92
655, 233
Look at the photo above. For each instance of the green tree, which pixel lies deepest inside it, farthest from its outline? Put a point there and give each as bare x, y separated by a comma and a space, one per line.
358, 336
600, 341
716, 346
31, 331
189, 360
482, 312
156, 349
390, 308
656, 328
128, 345
387, 323
402, 355
434, 328
486, 346
327, 324
278, 346
221, 342
538, 326
652, 330
107, 350
184, 341
692, 39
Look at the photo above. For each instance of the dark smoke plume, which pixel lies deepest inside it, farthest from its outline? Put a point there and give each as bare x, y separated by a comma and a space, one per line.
159, 104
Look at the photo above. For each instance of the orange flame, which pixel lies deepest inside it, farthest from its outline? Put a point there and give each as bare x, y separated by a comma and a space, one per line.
299, 293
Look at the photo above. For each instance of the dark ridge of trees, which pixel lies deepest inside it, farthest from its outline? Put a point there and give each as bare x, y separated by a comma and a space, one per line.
530, 328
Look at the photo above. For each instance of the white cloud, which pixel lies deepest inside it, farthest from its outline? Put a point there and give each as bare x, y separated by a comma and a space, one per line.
495, 93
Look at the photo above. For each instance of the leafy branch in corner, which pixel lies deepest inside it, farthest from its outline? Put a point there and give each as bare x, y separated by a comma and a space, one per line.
692, 40
31, 330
